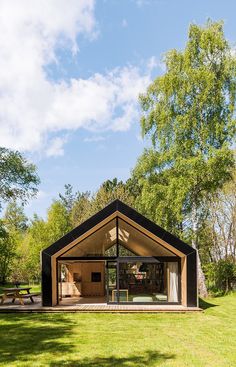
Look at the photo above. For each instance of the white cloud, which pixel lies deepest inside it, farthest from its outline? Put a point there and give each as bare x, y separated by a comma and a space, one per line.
31, 106
55, 147
152, 63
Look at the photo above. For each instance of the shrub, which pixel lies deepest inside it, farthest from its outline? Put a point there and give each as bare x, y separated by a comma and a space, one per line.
220, 276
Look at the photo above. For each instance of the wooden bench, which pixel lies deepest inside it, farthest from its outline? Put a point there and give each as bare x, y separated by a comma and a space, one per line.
30, 295
3, 296
15, 293
8, 294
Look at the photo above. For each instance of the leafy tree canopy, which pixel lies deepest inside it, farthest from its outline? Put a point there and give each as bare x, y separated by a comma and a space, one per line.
15, 218
190, 109
58, 222
18, 178
189, 113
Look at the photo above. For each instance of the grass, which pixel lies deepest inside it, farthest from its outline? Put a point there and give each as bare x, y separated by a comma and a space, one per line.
122, 340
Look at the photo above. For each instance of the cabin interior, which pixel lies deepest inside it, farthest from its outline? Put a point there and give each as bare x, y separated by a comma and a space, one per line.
119, 263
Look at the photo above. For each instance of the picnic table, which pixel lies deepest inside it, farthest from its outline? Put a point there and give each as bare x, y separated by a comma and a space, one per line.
18, 293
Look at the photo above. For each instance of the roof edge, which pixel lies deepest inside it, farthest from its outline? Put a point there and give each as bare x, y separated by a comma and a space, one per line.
118, 205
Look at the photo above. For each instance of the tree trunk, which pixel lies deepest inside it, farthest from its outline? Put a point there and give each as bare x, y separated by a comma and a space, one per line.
202, 289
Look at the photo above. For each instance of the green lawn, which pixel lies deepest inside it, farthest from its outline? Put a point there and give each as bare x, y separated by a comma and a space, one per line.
122, 340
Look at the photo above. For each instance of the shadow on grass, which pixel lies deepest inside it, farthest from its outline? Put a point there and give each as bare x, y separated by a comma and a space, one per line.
47, 339
23, 337
147, 359
205, 305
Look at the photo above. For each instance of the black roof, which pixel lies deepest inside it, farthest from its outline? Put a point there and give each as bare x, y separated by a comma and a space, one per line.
129, 212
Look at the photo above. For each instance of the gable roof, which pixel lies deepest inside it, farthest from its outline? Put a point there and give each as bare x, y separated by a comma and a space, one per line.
118, 206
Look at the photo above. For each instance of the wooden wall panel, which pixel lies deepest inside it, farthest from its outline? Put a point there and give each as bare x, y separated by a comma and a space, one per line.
90, 288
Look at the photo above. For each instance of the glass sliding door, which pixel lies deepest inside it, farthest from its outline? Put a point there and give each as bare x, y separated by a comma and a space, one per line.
111, 281
143, 281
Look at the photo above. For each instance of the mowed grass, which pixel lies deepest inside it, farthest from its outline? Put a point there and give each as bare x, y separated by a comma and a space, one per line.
122, 340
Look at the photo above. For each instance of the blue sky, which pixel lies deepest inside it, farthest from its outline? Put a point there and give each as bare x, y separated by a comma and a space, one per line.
71, 71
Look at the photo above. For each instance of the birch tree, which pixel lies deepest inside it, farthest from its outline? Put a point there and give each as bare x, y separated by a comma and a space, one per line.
222, 223
189, 114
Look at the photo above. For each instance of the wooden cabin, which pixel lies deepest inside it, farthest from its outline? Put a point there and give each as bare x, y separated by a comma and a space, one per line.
120, 257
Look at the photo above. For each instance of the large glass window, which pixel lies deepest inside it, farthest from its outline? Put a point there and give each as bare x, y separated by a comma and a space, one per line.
138, 242
131, 241
99, 244
148, 282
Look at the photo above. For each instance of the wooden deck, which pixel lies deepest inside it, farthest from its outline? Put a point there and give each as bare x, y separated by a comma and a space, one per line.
82, 305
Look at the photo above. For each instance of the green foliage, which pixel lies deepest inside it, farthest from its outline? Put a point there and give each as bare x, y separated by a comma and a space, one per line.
190, 109
162, 193
220, 275
23, 244
111, 190
13, 225
7, 253
82, 208
68, 198
58, 222
85, 205
15, 218
39, 235
77, 204
18, 178
35, 240
189, 115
